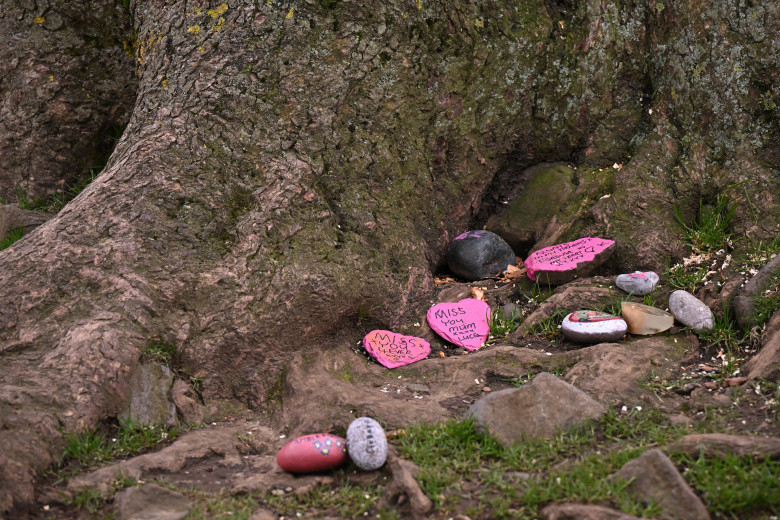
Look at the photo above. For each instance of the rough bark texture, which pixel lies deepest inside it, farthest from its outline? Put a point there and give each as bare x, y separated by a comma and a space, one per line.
68, 84
289, 166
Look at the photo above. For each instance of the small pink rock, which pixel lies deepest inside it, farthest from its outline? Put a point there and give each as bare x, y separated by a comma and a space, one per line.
464, 323
563, 263
394, 350
312, 453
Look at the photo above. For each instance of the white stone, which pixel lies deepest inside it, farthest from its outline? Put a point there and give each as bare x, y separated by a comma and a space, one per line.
690, 311
366, 443
593, 327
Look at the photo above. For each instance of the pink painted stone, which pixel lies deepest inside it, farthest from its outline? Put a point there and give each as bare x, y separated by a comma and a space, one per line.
464, 323
394, 350
312, 453
563, 263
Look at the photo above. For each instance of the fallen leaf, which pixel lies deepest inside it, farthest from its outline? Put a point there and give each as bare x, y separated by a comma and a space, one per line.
441, 354
439, 280
478, 294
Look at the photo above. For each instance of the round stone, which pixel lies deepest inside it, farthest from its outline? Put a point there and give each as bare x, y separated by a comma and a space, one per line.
637, 283
643, 319
690, 311
479, 254
312, 453
367, 443
593, 327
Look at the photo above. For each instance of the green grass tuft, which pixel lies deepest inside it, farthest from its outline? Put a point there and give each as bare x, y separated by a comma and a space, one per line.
712, 227
92, 447
501, 326
13, 235
159, 352
549, 328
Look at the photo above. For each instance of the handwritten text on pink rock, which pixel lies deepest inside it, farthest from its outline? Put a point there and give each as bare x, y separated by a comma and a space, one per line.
464, 323
565, 257
395, 350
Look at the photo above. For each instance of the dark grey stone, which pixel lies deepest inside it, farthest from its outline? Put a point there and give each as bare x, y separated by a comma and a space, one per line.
539, 409
479, 254
366, 443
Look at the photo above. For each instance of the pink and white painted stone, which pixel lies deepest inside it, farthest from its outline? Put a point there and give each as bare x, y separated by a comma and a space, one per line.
395, 350
464, 323
637, 283
311, 453
563, 263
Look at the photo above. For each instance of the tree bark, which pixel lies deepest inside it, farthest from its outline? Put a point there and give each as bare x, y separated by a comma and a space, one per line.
289, 166
68, 85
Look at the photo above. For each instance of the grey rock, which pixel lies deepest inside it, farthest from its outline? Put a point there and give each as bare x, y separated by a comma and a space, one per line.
417, 388
638, 283
510, 310
539, 409
189, 408
766, 364
479, 254
690, 311
263, 514
744, 301
583, 512
366, 443
149, 402
404, 490
720, 444
152, 502
593, 327
11, 217
654, 478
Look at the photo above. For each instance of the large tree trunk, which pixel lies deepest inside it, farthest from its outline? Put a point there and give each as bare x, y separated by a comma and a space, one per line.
288, 166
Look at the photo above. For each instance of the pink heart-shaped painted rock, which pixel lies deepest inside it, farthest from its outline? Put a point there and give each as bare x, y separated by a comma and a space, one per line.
395, 350
464, 323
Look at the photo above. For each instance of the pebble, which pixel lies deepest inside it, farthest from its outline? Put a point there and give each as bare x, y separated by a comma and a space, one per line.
593, 327
511, 310
479, 254
464, 323
367, 443
395, 350
638, 283
562, 263
690, 311
312, 453
644, 319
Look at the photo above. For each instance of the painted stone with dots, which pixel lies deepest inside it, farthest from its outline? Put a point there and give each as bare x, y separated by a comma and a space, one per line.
312, 453
367, 443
